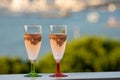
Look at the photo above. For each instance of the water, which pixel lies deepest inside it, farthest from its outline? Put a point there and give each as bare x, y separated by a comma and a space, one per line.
11, 30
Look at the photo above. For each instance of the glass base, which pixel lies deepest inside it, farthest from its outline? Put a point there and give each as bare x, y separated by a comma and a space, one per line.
58, 75
32, 75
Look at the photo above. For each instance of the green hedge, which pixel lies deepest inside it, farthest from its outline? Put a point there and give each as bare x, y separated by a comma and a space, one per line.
81, 55
12, 65
86, 54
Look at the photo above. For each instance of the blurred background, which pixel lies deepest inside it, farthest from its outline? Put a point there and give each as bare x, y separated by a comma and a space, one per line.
93, 34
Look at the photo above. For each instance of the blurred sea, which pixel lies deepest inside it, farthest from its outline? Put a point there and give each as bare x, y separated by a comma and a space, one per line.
12, 30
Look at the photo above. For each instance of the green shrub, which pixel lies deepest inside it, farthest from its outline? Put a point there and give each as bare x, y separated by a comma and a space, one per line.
88, 54
13, 66
85, 55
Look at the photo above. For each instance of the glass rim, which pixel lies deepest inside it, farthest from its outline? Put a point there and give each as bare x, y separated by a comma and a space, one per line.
57, 25
32, 25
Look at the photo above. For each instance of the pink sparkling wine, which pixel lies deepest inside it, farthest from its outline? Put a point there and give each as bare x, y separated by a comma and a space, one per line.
58, 43
32, 44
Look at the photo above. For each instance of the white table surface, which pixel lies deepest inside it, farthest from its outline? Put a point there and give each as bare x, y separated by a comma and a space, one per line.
71, 76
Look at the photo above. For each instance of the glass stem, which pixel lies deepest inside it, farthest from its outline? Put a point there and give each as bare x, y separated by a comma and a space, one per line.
58, 67
32, 67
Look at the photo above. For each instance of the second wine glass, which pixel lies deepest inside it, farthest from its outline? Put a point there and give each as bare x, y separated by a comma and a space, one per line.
58, 38
32, 40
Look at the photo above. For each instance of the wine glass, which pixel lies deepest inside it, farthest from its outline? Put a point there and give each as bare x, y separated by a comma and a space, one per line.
58, 38
32, 41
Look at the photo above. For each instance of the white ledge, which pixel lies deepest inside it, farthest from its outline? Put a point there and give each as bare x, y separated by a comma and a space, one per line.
71, 76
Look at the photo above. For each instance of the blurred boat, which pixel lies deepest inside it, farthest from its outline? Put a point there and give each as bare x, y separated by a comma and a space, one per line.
113, 22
